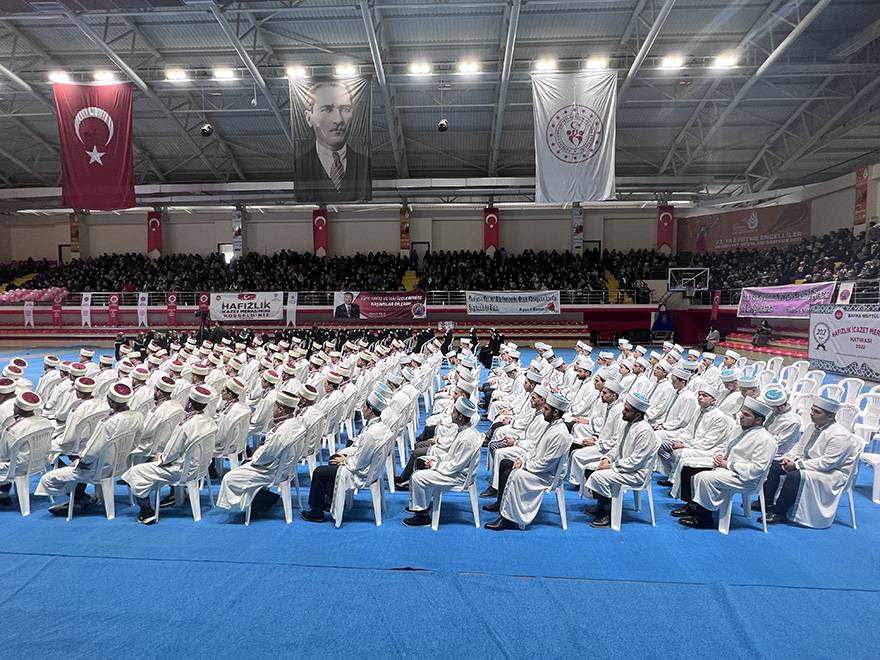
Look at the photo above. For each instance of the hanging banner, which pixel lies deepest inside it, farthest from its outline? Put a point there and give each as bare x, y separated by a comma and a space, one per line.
844, 292
85, 310
320, 232
512, 302
747, 229
665, 226
716, 303
57, 312
142, 308
789, 301
113, 310
73, 224
29, 313
203, 300
290, 308
860, 212
331, 139
405, 236
154, 234
171, 308
491, 230
577, 230
379, 305
247, 306
574, 118
236, 233
846, 340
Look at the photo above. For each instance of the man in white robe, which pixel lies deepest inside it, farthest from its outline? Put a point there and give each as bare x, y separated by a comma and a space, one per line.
25, 420
165, 408
727, 388
446, 469
523, 482
680, 407
73, 434
231, 411
815, 471
262, 415
629, 463
660, 392
784, 424
7, 403
747, 387
50, 378
739, 467
588, 449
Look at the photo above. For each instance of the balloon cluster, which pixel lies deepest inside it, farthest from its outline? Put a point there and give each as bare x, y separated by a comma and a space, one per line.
35, 295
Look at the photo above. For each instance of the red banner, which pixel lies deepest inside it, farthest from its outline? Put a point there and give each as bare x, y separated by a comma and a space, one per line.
154, 234
491, 229
204, 301
171, 307
56, 312
113, 310
860, 212
73, 225
716, 303
746, 229
94, 127
320, 232
379, 305
665, 226
405, 237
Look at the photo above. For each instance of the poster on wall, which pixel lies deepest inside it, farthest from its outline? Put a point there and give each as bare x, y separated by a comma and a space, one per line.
521, 303
791, 301
247, 306
845, 339
142, 307
378, 305
746, 229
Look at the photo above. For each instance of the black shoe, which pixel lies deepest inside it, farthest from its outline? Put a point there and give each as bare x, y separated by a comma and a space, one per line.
665, 483
756, 505
603, 520
401, 485
489, 492
773, 519
418, 520
494, 506
684, 510
167, 501
697, 523
148, 517
500, 524
61, 509
5, 501
312, 515
593, 510
408, 508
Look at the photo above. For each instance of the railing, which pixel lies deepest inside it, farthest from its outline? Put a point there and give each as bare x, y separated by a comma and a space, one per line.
865, 292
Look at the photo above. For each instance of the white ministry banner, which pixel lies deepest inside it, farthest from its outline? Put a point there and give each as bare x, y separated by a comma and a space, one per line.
290, 308
512, 302
85, 310
142, 309
845, 339
575, 117
29, 313
248, 306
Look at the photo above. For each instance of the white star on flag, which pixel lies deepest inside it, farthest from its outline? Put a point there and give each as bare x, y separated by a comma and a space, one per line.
95, 156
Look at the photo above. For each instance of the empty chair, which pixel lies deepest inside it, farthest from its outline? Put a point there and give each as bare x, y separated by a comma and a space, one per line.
802, 367
469, 485
765, 378
816, 374
868, 422
788, 376
774, 364
755, 368
804, 386
851, 481
846, 416
831, 391
28, 456
853, 388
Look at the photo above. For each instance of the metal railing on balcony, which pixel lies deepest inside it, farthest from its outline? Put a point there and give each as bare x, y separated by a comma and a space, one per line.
865, 292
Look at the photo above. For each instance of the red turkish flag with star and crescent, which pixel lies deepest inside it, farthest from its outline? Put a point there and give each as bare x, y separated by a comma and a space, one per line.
491, 230
94, 126
665, 225
154, 234
320, 233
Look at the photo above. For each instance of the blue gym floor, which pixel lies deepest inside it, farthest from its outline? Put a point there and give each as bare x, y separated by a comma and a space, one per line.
102, 588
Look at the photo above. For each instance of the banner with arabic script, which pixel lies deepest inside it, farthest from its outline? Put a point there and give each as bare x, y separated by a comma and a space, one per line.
790, 301
519, 303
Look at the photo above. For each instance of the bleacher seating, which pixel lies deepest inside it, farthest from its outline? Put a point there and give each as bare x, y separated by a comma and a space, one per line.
787, 342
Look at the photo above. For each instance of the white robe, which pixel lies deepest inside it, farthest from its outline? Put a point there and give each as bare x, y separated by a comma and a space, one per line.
47, 383
153, 419
449, 469
353, 473
705, 436
680, 410
608, 437
748, 458
9, 438
526, 486
732, 403
659, 395
226, 422
785, 427
71, 439
632, 460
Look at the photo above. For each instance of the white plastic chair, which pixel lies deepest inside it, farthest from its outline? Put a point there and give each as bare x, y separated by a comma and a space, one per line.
726, 509
197, 456
831, 391
868, 421
37, 444
765, 378
858, 447
788, 376
804, 386
332, 420
816, 374
755, 368
469, 485
853, 387
846, 416
312, 449
774, 364
85, 427
109, 465
284, 473
557, 486
235, 443
342, 501
617, 493
802, 367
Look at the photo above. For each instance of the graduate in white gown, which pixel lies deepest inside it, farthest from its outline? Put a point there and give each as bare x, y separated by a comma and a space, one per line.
164, 408
628, 463
815, 471
523, 482
25, 420
739, 466
7, 403
446, 469
784, 424
50, 378
69, 438
680, 407
588, 449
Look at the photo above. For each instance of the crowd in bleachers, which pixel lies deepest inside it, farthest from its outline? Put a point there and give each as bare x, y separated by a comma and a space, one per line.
838, 255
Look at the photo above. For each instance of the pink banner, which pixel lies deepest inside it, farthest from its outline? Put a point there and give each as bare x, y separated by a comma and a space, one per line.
113, 309
171, 308
379, 305
789, 301
56, 311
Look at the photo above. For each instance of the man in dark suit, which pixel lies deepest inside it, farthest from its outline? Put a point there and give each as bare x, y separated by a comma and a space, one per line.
331, 170
348, 309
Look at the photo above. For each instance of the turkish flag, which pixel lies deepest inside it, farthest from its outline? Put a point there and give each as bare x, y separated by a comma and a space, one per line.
154, 234
320, 233
94, 126
665, 225
491, 229
716, 303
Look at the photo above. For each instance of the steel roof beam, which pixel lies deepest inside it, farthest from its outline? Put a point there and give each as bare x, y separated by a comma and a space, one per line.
503, 86
645, 48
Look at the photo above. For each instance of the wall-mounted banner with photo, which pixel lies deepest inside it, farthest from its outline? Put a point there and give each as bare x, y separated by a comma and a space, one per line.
512, 302
247, 306
331, 139
746, 229
379, 305
845, 339
791, 301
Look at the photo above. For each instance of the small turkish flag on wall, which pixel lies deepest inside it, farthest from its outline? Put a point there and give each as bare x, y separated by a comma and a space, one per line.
154, 234
320, 233
665, 225
491, 230
94, 126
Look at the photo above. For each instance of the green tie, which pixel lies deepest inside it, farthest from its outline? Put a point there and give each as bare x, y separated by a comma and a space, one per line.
623, 437
735, 441
809, 444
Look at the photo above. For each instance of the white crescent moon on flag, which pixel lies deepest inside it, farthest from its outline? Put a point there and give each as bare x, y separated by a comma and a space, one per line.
320, 221
665, 217
491, 220
153, 224
97, 113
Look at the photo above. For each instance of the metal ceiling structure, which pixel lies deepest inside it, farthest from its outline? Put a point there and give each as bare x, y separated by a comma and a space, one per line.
800, 105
